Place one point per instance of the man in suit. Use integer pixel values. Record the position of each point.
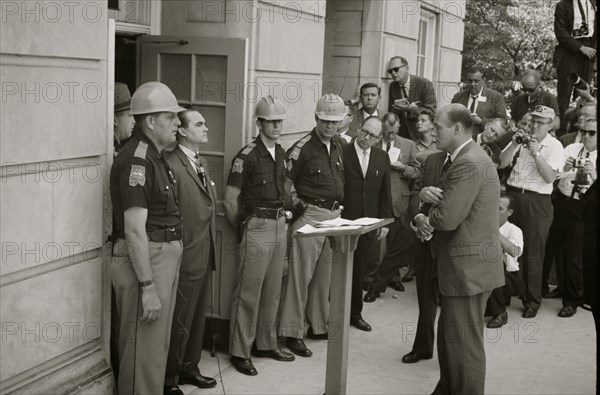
(367, 193)
(532, 95)
(369, 97)
(427, 282)
(409, 94)
(483, 103)
(196, 196)
(400, 239)
(464, 219)
(574, 28)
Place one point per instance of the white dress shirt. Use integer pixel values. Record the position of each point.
(514, 234)
(359, 153)
(578, 151)
(191, 155)
(471, 98)
(590, 12)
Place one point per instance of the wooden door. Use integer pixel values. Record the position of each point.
(209, 73)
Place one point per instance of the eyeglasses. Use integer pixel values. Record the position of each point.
(529, 90)
(538, 123)
(396, 69)
(591, 133)
(369, 135)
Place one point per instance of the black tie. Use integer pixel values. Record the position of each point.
(403, 94)
(201, 171)
(447, 164)
(472, 108)
(387, 148)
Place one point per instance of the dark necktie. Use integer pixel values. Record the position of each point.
(403, 94)
(447, 164)
(472, 108)
(201, 171)
(387, 148)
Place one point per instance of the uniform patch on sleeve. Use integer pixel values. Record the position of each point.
(137, 175)
(238, 166)
(295, 153)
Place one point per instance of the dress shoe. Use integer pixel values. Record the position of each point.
(172, 390)
(311, 335)
(371, 296)
(555, 293)
(298, 347)
(276, 354)
(413, 357)
(409, 276)
(498, 320)
(397, 285)
(199, 381)
(244, 365)
(567, 311)
(361, 324)
(529, 312)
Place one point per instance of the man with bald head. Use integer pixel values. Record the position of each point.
(461, 214)
(533, 95)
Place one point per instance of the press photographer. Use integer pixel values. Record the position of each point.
(534, 159)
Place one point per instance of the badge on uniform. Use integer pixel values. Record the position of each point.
(137, 175)
(238, 165)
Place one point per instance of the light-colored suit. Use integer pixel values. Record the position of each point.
(469, 258)
(402, 179)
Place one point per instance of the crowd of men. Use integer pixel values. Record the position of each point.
(484, 203)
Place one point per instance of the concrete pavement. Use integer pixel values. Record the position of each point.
(543, 355)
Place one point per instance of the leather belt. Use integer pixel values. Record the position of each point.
(166, 234)
(521, 190)
(269, 213)
(323, 203)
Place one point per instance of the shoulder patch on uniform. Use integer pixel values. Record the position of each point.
(238, 165)
(303, 140)
(248, 148)
(137, 175)
(140, 151)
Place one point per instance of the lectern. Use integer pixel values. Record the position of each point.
(343, 243)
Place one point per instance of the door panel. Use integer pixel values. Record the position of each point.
(208, 73)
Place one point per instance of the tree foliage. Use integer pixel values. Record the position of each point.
(506, 37)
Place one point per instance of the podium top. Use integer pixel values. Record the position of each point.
(345, 230)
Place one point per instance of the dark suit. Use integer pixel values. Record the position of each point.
(401, 238)
(427, 283)
(197, 205)
(567, 57)
(469, 257)
(494, 105)
(568, 138)
(420, 89)
(368, 196)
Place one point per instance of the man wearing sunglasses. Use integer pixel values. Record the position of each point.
(583, 114)
(533, 95)
(409, 94)
(534, 159)
(565, 240)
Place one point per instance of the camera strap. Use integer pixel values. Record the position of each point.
(583, 14)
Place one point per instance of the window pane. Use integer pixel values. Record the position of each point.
(211, 79)
(175, 72)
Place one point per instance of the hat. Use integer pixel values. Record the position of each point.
(122, 97)
(330, 107)
(543, 112)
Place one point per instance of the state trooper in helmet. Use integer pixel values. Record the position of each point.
(316, 171)
(253, 202)
(147, 241)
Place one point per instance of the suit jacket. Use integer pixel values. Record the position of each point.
(466, 226)
(368, 196)
(422, 90)
(568, 138)
(197, 205)
(493, 107)
(402, 180)
(563, 29)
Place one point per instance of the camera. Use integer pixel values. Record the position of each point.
(522, 138)
(582, 31)
(579, 163)
(577, 81)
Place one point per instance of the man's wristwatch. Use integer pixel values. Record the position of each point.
(146, 283)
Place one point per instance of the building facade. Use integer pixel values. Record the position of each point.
(58, 63)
